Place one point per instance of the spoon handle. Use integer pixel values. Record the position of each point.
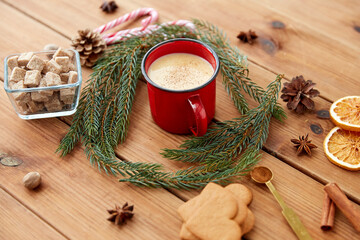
(276, 195)
(289, 214)
(296, 224)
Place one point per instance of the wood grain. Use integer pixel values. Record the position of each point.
(17, 222)
(150, 142)
(74, 193)
(279, 138)
(335, 19)
(18, 36)
(295, 50)
(289, 181)
(279, 144)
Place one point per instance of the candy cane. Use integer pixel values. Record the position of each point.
(111, 38)
(121, 35)
(153, 16)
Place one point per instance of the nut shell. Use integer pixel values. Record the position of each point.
(32, 180)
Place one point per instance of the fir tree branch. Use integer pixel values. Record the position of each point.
(227, 151)
(233, 68)
(112, 84)
(229, 138)
(219, 164)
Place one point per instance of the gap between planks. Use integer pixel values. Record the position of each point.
(33, 212)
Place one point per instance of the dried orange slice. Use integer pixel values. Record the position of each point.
(342, 148)
(345, 113)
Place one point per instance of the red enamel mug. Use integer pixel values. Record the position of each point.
(182, 111)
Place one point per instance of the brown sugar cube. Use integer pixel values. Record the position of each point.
(38, 97)
(73, 77)
(36, 63)
(47, 93)
(70, 54)
(24, 58)
(67, 95)
(35, 106)
(63, 62)
(64, 78)
(53, 104)
(52, 66)
(26, 98)
(22, 107)
(17, 74)
(12, 62)
(72, 67)
(68, 101)
(52, 79)
(11, 84)
(19, 95)
(61, 53)
(32, 78)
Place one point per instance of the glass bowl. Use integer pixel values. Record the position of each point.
(44, 101)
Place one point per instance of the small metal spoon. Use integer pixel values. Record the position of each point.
(262, 175)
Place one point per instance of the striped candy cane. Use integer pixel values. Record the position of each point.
(146, 28)
(121, 35)
(153, 16)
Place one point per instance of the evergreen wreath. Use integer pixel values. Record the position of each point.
(227, 151)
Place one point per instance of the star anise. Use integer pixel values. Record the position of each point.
(109, 7)
(303, 144)
(120, 215)
(247, 37)
(297, 94)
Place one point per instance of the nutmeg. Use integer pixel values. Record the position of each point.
(51, 47)
(32, 180)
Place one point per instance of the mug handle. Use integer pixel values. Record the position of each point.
(200, 115)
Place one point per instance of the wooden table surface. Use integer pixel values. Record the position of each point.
(319, 40)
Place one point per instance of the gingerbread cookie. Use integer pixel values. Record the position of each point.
(185, 234)
(218, 195)
(249, 222)
(241, 192)
(217, 213)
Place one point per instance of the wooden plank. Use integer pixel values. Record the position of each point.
(318, 166)
(304, 195)
(279, 137)
(260, 233)
(19, 36)
(73, 193)
(335, 19)
(145, 140)
(28, 225)
(300, 192)
(295, 50)
(296, 124)
(150, 142)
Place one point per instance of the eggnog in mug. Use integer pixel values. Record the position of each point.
(180, 71)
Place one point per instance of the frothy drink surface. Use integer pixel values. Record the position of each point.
(180, 71)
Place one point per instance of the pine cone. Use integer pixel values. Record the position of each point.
(90, 45)
(297, 94)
